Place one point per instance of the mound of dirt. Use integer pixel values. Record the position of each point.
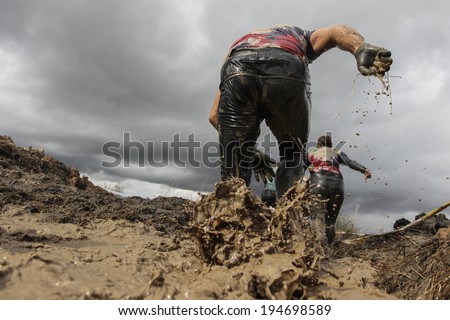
(35, 183)
(61, 237)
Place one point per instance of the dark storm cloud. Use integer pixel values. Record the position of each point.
(77, 74)
(104, 68)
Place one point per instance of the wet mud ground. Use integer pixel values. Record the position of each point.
(61, 237)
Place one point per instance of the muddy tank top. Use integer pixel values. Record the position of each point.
(289, 38)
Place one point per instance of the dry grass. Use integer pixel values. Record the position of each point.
(424, 275)
(346, 224)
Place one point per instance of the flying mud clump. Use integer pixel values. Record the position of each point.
(232, 225)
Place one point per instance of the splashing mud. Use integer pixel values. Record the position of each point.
(385, 90)
(232, 224)
(233, 227)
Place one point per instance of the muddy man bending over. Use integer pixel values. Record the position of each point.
(265, 76)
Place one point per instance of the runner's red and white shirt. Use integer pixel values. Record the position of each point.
(326, 159)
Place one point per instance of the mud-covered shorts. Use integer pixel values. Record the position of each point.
(269, 84)
(330, 185)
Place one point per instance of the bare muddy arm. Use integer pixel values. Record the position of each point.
(213, 113)
(371, 60)
(341, 36)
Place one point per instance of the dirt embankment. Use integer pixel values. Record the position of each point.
(61, 237)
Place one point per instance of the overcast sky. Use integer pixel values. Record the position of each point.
(77, 74)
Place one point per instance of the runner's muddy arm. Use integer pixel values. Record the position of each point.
(213, 114)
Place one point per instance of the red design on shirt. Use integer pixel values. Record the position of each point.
(288, 38)
(324, 159)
